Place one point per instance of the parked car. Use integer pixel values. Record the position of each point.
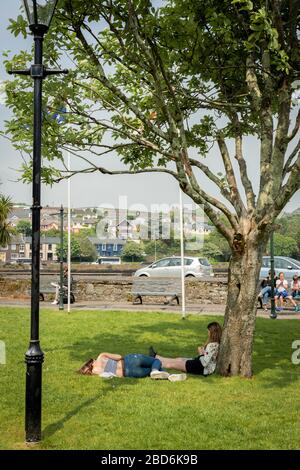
(193, 267)
(288, 266)
(109, 260)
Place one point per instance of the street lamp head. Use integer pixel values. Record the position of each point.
(39, 13)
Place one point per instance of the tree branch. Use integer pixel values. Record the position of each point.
(230, 176)
(281, 141)
(187, 179)
(289, 163)
(250, 196)
(116, 91)
(294, 132)
(105, 171)
(218, 181)
(290, 188)
(137, 137)
(252, 84)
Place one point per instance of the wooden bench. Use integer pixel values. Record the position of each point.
(46, 290)
(285, 301)
(159, 287)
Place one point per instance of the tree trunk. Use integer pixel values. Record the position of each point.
(235, 357)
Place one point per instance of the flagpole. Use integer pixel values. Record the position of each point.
(182, 255)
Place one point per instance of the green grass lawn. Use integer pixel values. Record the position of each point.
(82, 412)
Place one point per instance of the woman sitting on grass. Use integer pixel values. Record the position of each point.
(206, 361)
(109, 365)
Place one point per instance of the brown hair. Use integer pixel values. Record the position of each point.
(87, 368)
(214, 333)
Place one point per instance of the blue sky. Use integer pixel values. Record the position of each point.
(92, 190)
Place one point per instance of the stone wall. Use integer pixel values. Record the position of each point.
(209, 292)
(14, 288)
(118, 290)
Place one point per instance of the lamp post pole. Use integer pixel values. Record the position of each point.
(61, 286)
(34, 356)
(273, 311)
(61, 258)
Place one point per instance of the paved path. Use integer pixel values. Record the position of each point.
(193, 309)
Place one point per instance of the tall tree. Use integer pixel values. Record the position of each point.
(24, 227)
(82, 248)
(133, 252)
(5, 228)
(284, 245)
(75, 249)
(159, 86)
(88, 251)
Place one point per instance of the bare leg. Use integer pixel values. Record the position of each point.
(292, 300)
(177, 363)
(56, 292)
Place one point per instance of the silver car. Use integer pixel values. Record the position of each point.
(171, 267)
(284, 264)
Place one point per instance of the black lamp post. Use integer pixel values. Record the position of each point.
(61, 290)
(39, 14)
(61, 258)
(273, 310)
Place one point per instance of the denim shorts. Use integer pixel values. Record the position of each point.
(140, 365)
(282, 294)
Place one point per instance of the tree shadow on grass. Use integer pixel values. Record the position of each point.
(129, 340)
(109, 387)
(272, 350)
(272, 355)
(281, 377)
(181, 339)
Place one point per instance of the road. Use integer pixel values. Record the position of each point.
(78, 275)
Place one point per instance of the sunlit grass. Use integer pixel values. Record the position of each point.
(201, 413)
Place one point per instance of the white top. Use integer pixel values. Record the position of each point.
(209, 359)
(295, 285)
(281, 285)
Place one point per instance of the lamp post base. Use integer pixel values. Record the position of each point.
(34, 359)
(273, 316)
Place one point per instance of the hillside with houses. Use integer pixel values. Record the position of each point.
(108, 230)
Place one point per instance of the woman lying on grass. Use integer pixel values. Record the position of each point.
(109, 365)
(203, 364)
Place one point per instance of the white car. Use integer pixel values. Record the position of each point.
(171, 267)
(288, 266)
